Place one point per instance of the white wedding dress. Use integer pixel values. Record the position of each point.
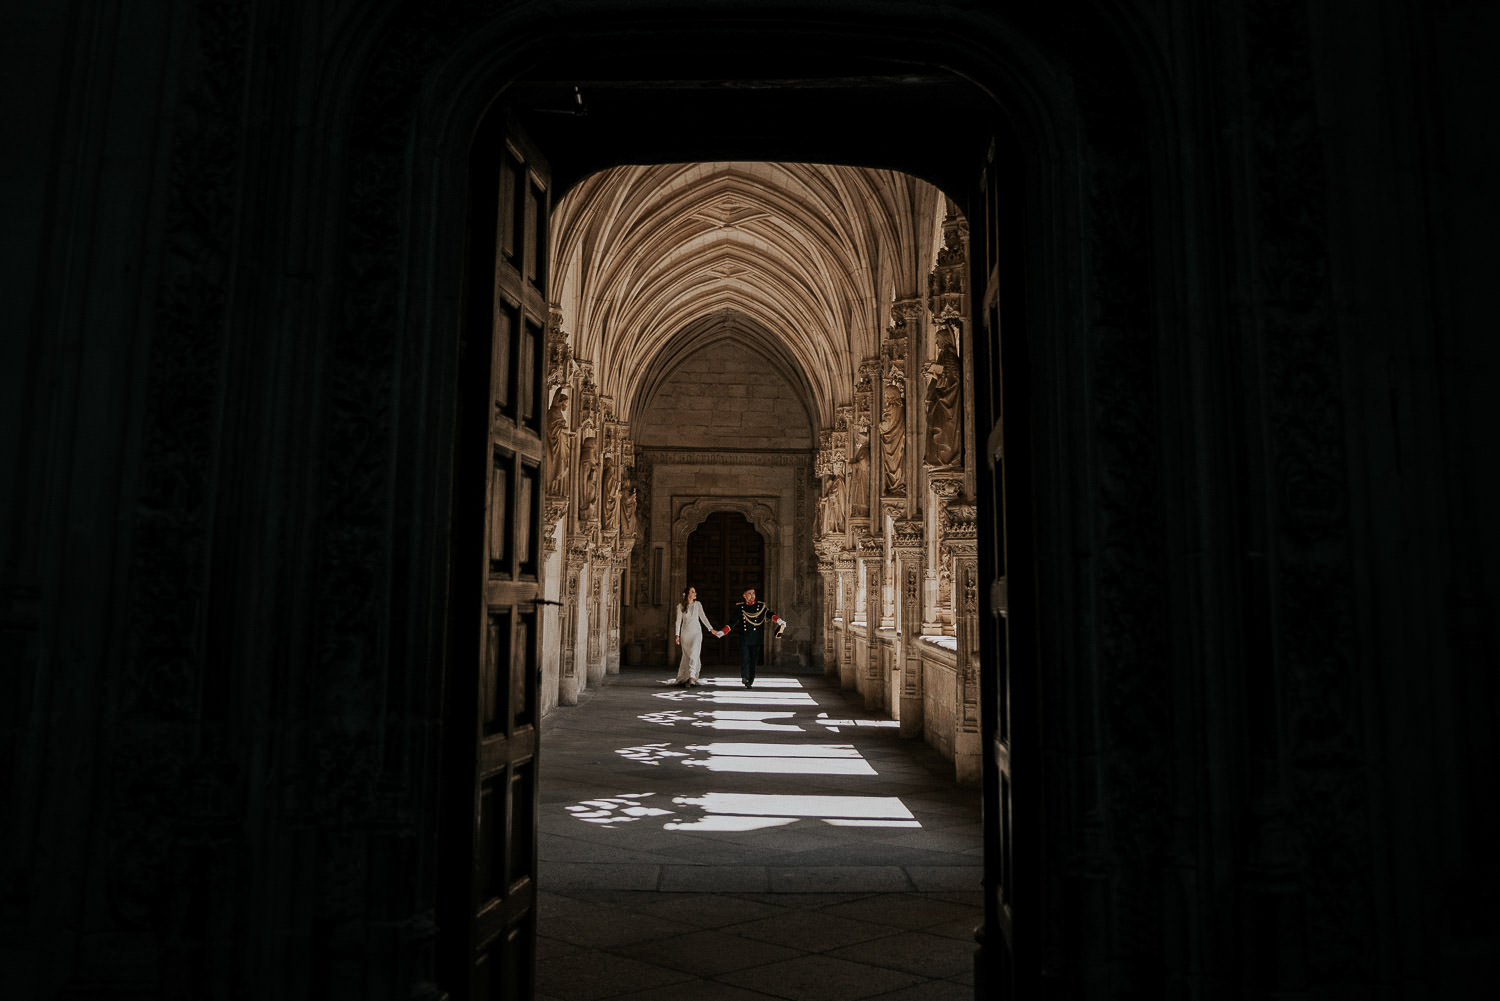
(690, 626)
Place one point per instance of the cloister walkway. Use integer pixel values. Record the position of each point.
(725, 844)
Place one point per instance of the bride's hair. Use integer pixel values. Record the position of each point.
(682, 605)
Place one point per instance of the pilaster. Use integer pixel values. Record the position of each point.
(906, 547)
(567, 685)
(845, 567)
(870, 552)
(962, 540)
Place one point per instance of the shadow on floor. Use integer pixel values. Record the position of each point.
(724, 844)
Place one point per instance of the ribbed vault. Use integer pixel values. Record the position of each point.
(800, 260)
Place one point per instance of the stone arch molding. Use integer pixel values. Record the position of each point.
(759, 513)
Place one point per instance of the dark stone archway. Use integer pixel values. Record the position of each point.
(1246, 343)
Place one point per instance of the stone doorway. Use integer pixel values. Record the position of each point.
(725, 555)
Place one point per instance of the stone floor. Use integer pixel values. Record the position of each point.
(724, 844)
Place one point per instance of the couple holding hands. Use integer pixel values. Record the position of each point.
(690, 617)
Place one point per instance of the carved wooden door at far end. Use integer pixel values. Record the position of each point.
(725, 555)
(487, 905)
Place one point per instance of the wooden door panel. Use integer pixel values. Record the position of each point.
(725, 555)
(487, 904)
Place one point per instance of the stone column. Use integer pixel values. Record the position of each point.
(962, 541)
(616, 574)
(845, 564)
(906, 544)
(567, 686)
(828, 571)
(870, 552)
(599, 569)
(938, 608)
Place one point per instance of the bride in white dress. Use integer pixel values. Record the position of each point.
(691, 621)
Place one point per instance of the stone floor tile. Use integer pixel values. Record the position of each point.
(932, 990)
(703, 910)
(695, 990)
(953, 877)
(930, 956)
(810, 931)
(606, 928)
(909, 910)
(802, 901)
(707, 953)
(820, 978)
(714, 879)
(602, 976)
(838, 879)
(625, 876)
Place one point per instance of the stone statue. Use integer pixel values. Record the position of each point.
(588, 470)
(944, 404)
(831, 506)
(557, 444)
(859, 471)
(893, 435)
(611, 494)
(627, 510)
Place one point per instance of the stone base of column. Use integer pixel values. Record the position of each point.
(567, 691)
(967, 758)
(913, 726)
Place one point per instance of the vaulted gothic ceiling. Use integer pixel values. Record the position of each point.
(800, 261)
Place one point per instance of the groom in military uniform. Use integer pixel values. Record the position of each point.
(752, 620)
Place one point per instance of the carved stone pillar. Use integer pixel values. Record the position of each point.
(827, 569)
(869, 550)
(906, 545)
(938, 607)
(962, 542)
(599, 569)
(615, 576)
(845, 564)
(567, 683)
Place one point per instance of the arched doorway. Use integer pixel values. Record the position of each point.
(991, 188)
(725, 555)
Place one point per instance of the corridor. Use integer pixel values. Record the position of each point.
(724, 844)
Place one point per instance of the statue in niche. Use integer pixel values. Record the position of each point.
(611, 493)
(588, 469)
(831, 514)
(893, 435)
(627, 509)
(859, 471)
(557, 444)
(944, 403)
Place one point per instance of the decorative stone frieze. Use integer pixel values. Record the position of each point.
(948, 283)
(907, 537)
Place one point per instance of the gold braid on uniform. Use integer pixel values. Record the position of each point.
(759, 619)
